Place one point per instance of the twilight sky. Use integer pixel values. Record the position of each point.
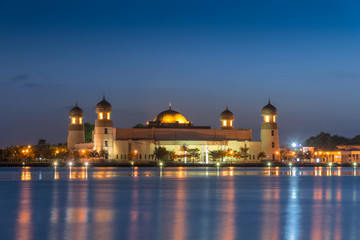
(200, 55)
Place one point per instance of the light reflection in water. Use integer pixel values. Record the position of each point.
(24, 221)
(293, 211)
(271, 211)
(322, 204)
(227, 221)
(179, 232)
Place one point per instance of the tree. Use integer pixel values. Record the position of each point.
(217, 154)
(94, 154)
(244, 151)
(104, 153)
(160, 153)
(286, 153)
(261, 155)
(325, 141)
(89, 128)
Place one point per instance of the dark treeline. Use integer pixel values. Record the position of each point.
(326, 141)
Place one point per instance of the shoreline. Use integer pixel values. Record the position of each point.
(165, 164)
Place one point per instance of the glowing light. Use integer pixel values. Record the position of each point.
(161, 164)
(73, 120)
(101, 116)
(293, 144)
(80, 120)
(224, 123)
(55, 164)
(277, 152)
(330, 164)
(267, 118)
(86, 164)
(108, 116)
(269, 164)
(218, 164)
(29, 146)
(70, 164)
(354, 164)
(290, 164)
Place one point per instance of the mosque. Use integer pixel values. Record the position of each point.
(171, 130)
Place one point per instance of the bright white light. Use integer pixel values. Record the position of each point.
(55, 164)
(70, 164)
(86, 164)
(293, 145)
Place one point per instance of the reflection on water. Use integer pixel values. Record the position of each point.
(181, 203)
(23, 229)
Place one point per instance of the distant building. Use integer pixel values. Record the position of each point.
(171, 129)
(350, 152)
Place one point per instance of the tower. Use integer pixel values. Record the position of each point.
(269, 133)
(103, 133)
(227, 119)
(76, 133)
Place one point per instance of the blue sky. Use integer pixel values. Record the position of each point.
(200, 55)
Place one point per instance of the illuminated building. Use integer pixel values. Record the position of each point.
(76, 132)
(172, 130)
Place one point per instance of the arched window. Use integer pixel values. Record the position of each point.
(272, 132)
(273, 144)
(106, 143)
(106, 132)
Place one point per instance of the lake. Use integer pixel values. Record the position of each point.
(179, 203)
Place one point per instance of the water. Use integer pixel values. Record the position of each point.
(179, 203)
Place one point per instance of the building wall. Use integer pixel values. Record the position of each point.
(104, 135)
(270, 140)
(183, 134)
(76, 135)
(145, 148)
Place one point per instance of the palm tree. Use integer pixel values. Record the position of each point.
(261, 155)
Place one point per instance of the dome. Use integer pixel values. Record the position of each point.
(269, 109)
(170, 116)
(104, 105)
(76, 111)
(227, 115)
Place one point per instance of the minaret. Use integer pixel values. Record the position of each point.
(227, 119)
(269, 133)
(103, 133)
(76, 133)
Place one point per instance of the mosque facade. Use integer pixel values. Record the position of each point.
(172, 130)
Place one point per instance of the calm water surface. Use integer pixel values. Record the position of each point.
(179, 203)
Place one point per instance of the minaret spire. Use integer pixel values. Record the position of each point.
(104, 96)
(227, 107)
(76, 105)
(170, 106)
(269, 101)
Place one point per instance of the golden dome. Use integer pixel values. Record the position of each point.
(170, 116)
